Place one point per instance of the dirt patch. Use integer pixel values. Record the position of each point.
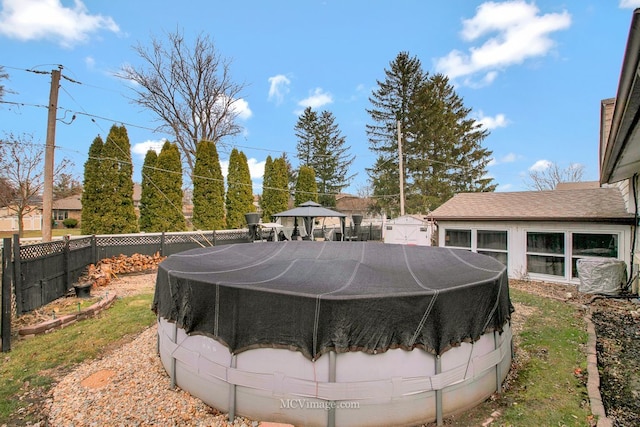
(98, 379)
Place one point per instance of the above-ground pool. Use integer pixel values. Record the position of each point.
(335, 333)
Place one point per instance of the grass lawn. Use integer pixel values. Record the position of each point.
(548, 388)
(38, 233)
(36, 360)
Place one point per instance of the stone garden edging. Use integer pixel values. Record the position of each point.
(67, 319)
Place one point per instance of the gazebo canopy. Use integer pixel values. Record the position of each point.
(310, 209)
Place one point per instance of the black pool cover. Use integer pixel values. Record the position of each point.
(314, 297)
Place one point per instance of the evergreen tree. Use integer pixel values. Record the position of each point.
(208, 189)
(441, 145)
(321, 146)
(391, 103)
(266, 199)
(306, 130)
(92, 207)
(168, 179)
(446, 156)
(150, 197)
(306, 187)
(239, 190)
(114, 213)
(280, 183)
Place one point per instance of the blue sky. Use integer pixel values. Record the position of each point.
(533, 72)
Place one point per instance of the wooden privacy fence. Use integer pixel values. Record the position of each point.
(37, 274)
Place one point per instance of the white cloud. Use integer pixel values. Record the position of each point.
(90, 62)
(488, 122)
(141, 148)
(317, 99)
(28, 20)
(509, 158)
(540, 166)
(516, 31)
(256, 168)
(278, 88)
(629, 4)
(241, 108)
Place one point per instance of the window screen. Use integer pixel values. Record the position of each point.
(457, 238)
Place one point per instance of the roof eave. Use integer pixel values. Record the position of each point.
(628, 220)
(618, 136)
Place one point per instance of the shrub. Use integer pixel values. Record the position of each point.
(70, 223)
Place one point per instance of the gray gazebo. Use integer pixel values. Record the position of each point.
(308, 211)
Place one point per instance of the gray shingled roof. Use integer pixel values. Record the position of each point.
(593, 204)
(68, 203)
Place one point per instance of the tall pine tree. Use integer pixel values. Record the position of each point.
(239, 190)
(208, 189)
(306, 187)
(280, 183)
(92, 207)
(168, 179)
(391, 103)
(446, 156)
(267, 190)
(150, 198)
(441, 145)
(116, 196)
(322, 147)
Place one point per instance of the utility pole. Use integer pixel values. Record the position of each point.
(400, 162)
(47, 194)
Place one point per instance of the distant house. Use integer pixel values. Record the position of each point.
(353, 205)
(68, 207)
(539, 234)
(32, 220)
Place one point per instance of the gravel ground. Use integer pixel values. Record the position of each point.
(129, 386)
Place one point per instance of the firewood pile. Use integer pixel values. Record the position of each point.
(105, 270)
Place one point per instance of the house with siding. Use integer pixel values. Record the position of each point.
(620, 135)
(542, 234)
(539, 234)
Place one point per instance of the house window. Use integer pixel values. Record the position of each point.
(493, 243)
(590, 245)
(59, 215)
(457, 238)
(545, 253)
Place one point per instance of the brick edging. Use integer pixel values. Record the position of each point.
(67, 319)
(593, 382)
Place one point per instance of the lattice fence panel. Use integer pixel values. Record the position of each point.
(128, 240)
(41, 250)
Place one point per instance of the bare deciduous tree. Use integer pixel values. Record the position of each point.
(189, 88)
(552, 175)
(22, 170)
